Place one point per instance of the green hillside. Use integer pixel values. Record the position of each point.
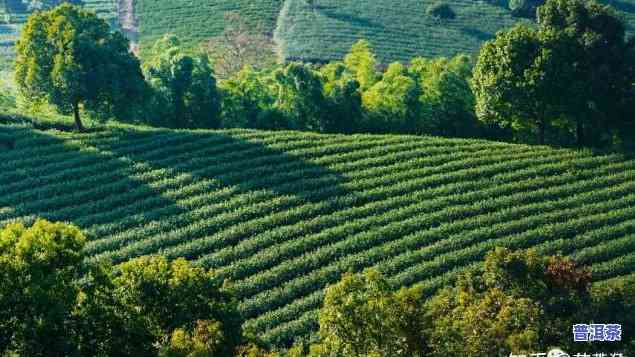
(196, 21)
(398, 30)
(311, 30)
(283, 214)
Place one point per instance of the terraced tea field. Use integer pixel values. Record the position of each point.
(398, 30)
(283, 214)
(197, 21)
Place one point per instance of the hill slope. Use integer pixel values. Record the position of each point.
(196, 21)
(283, 214)
(398, 30)
(316, 30)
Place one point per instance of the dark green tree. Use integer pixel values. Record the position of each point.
(573, 72)
(299, 96)
(600, 89)
(71, 58)
(185, 88)
(344, 99)
(515, 79)
(55, 305)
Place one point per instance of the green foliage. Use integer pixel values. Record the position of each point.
(344, 99)
(248, 101)
(514, 80)
(54, 305)
(577, 51)
(185, 93)
(470, 323)
(300, 97)
(38, 266)
(447, 100)
(440, 10)
(361, 62)
(362, 316)
(156, 288)
(522, 302)
(516, 302)
(68, 56)
(283, 214)
(206, 340)
(393, 102)
(600, 94)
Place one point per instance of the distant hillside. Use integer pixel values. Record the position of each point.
(13, 13)
(196, 21)
(315, 30)
(398, 30)
(284, 214)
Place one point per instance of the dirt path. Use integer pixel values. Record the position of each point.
(129, 23)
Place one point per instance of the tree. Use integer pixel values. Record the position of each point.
(248, 99)
(184, 85)
(176, 297)
(514, 80)
(362, 316)
(578, 51)
(361, 62)
(601, 89)
(392, 104)
(517, 302)
(71, 58)
(55, 305)
(299, 95)
(447, 100)
(344, 99)
(206, 339)
(38, 267)
(240, 45)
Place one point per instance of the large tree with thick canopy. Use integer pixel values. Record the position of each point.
(573, 71)
(69, 57)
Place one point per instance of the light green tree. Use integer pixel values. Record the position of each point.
(38, 269)
(361, 62)
(447, 100)
(173, 296)
(70, 58)
(393, 103)
(363, 316)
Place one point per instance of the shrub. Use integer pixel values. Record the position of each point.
(440, 10)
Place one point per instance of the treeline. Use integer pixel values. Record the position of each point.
(568, 80)
(56, 304)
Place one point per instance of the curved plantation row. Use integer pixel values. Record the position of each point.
(284, 214)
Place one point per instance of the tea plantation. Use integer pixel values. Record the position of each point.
(282, 214)
(314, 30)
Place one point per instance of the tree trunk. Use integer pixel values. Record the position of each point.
(579, 133)
(78, 121)
(541, 131)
